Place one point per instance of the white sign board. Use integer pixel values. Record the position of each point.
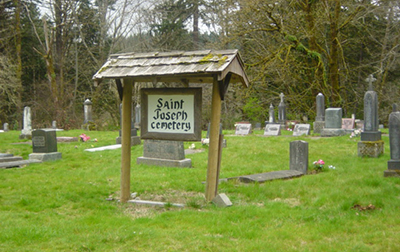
(171, 114)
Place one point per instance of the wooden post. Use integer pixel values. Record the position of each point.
(126, 140)
(213, 150)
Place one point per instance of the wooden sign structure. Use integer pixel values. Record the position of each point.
(219, 67)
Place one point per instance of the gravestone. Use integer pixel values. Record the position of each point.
(243, 128)
(395, 107)
(394, 140)
(301, 129)
(271, 114)
(88, 123)
(371, 143)
(348, 124)
(164, 153)
(54, 126)
(5, 127)
(319, 122)
(135, 139)
(272, 130)
(26, 132)
(299, 156)
(87, 110)
(359, 124)
(220, 133)
(333, 123)
(258, 126)
(137, 116)
(44, 145)
(282, 111)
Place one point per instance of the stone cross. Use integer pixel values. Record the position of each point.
(282, 96)
(271, 114)
(395, 108)
(370, 79)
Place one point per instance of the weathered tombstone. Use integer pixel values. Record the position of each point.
(395, 107)
(371, 143)
(26, 132)
(87, 110)
(348, 124)
(299, 156)
(272, 130)
(164, 153)
(135, 139)
(220, 133)
(54, 126)
(271, 114)
(319, 122)
(88, 123)
(257, 126)
(282, 111)
(359, 124)
(44, 145)
(301, 129)
(243, 128)
(5, 127)
(137, 116)
(333, 123)
(394, 140)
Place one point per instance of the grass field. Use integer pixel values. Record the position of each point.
(62, 206)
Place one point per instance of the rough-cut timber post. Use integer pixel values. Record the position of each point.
(213, 150)
(126, 140)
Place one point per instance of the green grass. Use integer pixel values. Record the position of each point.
(62, 206)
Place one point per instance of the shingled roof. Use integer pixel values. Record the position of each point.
(183, 66)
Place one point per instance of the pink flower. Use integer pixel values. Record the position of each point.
(84, 138)
(321, 162)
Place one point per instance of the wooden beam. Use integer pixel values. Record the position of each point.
(126, 140)
(213, 149)
(119, 88)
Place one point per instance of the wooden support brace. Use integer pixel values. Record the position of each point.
(213, 150)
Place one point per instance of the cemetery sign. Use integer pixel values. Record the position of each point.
(171, 114)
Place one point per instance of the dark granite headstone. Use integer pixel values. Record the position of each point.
(299, 156)
(44, 145)
(301, 129)
(44, 141)
(394, 139)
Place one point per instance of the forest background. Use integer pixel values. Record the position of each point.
(50, 49)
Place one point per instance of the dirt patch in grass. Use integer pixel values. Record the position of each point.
(194, 200)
